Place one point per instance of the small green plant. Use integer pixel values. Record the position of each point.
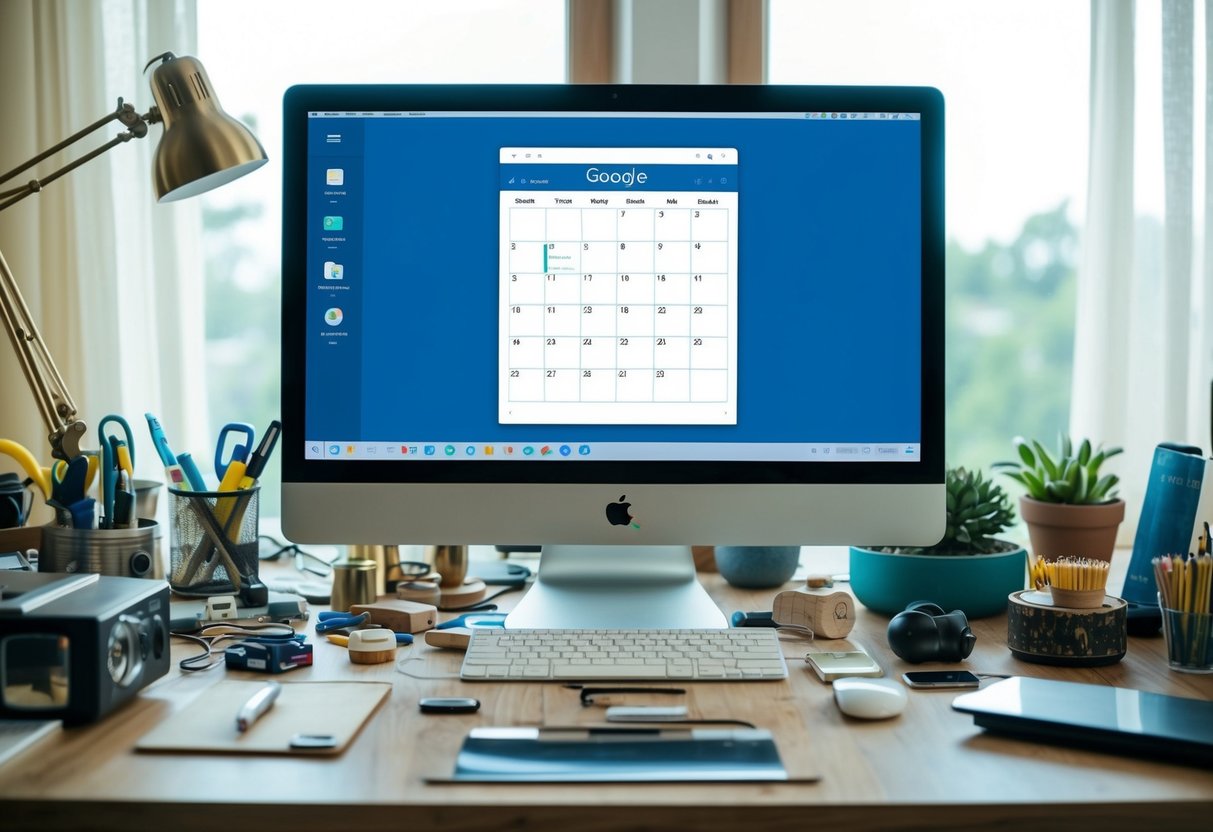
(977, 510)
(1065, 476)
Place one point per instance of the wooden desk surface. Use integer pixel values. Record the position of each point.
(929, 767)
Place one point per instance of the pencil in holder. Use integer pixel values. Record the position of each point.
(213, 544)
(1189, 638)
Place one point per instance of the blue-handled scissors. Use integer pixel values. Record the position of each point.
(240, 451)
(328, 621)
(109, 460)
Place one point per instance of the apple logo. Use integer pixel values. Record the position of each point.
(617, 513)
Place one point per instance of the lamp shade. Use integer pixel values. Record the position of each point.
(202, 146)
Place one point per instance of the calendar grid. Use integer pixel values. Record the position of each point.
(647, 334)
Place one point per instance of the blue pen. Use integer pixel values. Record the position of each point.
(186, 461)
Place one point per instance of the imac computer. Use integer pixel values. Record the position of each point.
(615, 321)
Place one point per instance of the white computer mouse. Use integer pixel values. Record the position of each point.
(869, 698)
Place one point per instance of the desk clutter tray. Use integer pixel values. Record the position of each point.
(302, 710)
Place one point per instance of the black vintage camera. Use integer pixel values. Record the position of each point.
(74, 647)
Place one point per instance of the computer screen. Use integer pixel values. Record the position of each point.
(613, 314)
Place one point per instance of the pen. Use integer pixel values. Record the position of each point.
(257, 705)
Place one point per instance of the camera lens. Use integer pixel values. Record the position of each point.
(125, 659)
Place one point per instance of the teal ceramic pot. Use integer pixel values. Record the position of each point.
(757, 567)
(977, 584)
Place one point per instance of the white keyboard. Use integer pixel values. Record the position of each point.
(591, 655)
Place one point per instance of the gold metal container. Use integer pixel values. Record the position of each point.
(353, 583)
(451, 562)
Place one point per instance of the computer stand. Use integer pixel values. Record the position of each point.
(633, 587)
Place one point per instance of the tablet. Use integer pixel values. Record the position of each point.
(1150, 726)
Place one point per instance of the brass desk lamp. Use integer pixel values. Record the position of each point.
(202, 148)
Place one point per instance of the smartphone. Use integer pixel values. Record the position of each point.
(831, 666)
(448, 705)
(940, 679)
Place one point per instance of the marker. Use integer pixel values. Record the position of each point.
(159, 440)
(257, 705)
(256, 462)
(172, 470)
(187, 464)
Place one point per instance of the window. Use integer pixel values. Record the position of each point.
(276, 45)
(1015, 80)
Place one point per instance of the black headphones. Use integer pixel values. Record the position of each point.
(923, 632)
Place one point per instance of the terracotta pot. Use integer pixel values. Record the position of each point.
(1058, 529)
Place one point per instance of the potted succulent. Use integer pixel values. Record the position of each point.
(970, 569)
(1070, 508)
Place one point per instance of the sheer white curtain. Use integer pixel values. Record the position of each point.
(1143, 357)
(113, 280)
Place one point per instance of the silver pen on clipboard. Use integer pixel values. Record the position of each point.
(257, 705)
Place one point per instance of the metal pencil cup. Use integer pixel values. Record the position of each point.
(1189, 638)
(126, 553)
(213, 541)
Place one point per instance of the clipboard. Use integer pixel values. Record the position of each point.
(334, 711)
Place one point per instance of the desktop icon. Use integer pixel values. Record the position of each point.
(333, 317)
(488, 450)
(334, 223)
(349, 449)
(565, 450)
(334, 176)
(509, 449)
(333, 271)
(470, 450)
(404, 449)
(584, 450)
(429, 450)
(334, 450)
(527, 450)
(545, 450)
(413, 450)
(449, 450)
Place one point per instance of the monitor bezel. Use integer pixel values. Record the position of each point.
(299, 101)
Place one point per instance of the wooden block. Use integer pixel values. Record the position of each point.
(399, 615)
(828, 613)
(454, 638)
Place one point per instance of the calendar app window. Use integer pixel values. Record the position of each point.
(618, 286)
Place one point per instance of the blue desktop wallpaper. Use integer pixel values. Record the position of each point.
(829, 293)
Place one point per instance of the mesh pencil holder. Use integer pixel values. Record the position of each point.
(213, 543)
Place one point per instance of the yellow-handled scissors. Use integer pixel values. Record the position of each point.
(29, 463)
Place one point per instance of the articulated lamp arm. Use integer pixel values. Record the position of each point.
(55, 403)
(205, 150)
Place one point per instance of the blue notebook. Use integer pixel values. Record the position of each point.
(1179, 501)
